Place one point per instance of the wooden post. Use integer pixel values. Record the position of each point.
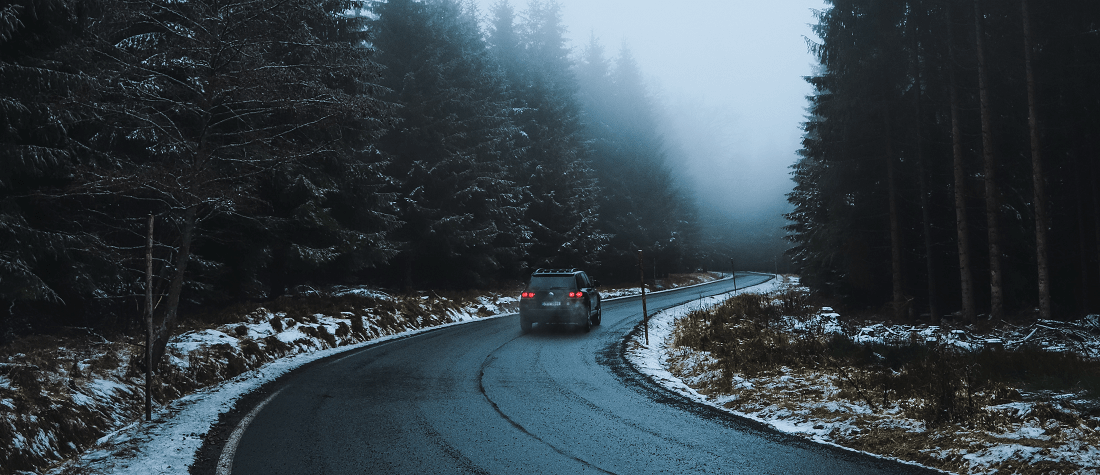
(733, 272)
(149, 322)
(645, 314)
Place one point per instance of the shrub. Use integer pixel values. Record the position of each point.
(322, 333)
(276, 346)
(236, 365)
(277, 324)
(357, 325)
(943, 384)
(252, 351)
(795, 302)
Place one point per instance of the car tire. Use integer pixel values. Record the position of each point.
(599, 316)
(524, 325)
(587, 325)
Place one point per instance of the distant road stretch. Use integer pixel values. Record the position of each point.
(484, 398)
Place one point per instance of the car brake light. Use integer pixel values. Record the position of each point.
(528, 295)
(576, 295)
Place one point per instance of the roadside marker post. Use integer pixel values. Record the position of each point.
(149, 321)
(733, 272)
(645, 315)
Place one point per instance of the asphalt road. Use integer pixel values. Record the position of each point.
(484, 398)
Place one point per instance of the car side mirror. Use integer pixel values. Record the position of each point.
(595, 283)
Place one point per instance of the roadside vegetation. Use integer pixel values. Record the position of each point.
(1016, 398)
(63, 395)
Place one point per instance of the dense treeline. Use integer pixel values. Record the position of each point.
(950, 158)
(250, 149)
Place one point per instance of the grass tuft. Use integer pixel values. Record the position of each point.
(357, 325)
(323, 333)
(342, 330)
(276, 324)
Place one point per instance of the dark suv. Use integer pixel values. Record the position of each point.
(560, 296)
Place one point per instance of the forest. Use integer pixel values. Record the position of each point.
(177, 156)
(950, 159)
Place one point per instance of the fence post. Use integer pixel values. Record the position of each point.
(149, 322)
(733, 271)
(645, 315)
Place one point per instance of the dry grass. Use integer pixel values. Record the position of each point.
(916, 400)
(41, 418)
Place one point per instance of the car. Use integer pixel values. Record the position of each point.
(560, 296)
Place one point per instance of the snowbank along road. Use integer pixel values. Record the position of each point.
(484, 398)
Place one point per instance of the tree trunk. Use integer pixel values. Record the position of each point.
(926, 216)
(175, 288)
(1082, 240)
(1095, 212)
(149, 322)
(1038, 179)
(962, 226)
(895, 227)
(992, 201)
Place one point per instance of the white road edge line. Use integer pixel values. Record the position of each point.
(225, 462)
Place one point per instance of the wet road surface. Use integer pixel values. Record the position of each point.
(484, 398)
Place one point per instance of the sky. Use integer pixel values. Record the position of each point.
(728, 74)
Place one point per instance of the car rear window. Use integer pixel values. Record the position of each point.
(544, 282)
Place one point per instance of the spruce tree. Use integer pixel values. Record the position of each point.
(201, 103)
(453, 148)
(41, 267)
(553, 171)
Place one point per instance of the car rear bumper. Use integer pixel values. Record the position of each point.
(534, 313)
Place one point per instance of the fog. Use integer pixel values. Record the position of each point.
(728, 76)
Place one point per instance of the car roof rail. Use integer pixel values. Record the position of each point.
(555, 271)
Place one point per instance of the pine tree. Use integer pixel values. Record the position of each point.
(553, 170)
(40, 267)
(957, 112)
(201, 102)
(641, 206)
(453, 148)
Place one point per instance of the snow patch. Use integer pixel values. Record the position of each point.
(833, 421)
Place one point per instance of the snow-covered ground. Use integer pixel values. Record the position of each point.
(810, 403)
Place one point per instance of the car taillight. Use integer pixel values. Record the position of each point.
(576, 295)
(527, 295)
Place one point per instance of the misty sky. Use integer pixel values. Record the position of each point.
(729, 74)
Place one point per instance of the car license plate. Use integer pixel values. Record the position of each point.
(551, 304)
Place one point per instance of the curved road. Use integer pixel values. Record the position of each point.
(484, 398)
